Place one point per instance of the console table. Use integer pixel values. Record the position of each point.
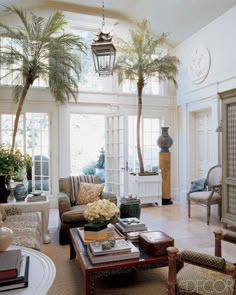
(42, 273)
(42, 207)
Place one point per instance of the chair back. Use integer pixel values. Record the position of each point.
(214, 176)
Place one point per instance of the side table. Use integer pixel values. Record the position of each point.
(42, 207)
(42, 273)
(130, 209)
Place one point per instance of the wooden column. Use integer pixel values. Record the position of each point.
(165, 166)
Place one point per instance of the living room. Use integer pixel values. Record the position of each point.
(193, 112)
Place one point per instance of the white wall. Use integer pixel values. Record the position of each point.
(218, 38)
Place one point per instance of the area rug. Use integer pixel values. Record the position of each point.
(69, 278)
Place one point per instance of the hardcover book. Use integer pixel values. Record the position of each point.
(21, 281)
(133, 253)
(10, 262)
(120, 246)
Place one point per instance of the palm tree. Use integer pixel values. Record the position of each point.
(138, 60)
(39, 48)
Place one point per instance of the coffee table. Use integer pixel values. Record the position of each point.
(92, 272)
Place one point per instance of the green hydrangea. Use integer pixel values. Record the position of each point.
(12, 163)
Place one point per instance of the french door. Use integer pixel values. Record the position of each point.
(117, 154)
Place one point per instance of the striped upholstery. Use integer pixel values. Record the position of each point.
(70, 185)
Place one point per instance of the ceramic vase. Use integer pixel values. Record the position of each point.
(4, 191)
(6, 236)
(164, 141)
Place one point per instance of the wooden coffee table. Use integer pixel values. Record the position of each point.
(92, 272)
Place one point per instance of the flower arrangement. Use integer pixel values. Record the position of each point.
(11, 163)
(102, 211)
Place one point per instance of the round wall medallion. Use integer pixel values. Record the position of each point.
(200, 65)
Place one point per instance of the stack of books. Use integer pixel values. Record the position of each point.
(14, 270)
(36, 197)
(122, 250)
(130, 224)
(128, 200)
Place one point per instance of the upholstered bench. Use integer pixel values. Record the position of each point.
(26, 227)
(74, 194)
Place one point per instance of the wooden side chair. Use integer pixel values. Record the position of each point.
(203, 274)
(211, 196)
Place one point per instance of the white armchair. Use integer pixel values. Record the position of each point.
(212, 195)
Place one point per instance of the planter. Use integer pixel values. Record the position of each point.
(4, 191)
(146, 188)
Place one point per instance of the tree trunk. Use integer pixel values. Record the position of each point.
(140, 86)
(18, 112)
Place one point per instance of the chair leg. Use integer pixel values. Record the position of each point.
(219, 211)
(208, 214)
(189, 209)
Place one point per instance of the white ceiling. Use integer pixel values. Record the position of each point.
(181, 18)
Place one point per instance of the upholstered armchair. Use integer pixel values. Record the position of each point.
(203, 274)
(74, 194)
(210, 196)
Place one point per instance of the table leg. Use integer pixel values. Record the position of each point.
(89, 284)
(45, 218)
(72, 251)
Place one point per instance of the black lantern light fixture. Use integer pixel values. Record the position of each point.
(103, 50)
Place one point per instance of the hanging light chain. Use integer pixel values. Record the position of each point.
(103, 16)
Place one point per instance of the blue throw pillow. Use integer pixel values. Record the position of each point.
(198, 185)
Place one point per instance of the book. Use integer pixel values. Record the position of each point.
(9, 263)
(112, 233)
(129, 200)
(127, 229)
(21, 281)
(130, 222)
(133, 253)
(120, 246)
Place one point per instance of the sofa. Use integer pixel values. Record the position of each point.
(71, 211)
(26, 227)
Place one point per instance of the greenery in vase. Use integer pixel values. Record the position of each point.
(11, 163)
(102, 211)
(139, 59)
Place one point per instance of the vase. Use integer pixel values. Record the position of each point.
(164, 141)
(4, 191)
(6, 236)
(20, 192)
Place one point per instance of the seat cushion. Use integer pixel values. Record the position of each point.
(89, 193)
(26, 230)
(203, 196)
(76, 214)
(197, 280)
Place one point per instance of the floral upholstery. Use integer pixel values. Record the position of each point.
(89, 192)
(26, 229)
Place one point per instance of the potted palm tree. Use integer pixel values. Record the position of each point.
(138, 60)
(39, 48)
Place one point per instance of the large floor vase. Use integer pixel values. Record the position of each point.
(4, 191)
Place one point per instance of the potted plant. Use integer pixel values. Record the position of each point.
(11, 163)
(100, 166)
(40, 49)
(139, 60)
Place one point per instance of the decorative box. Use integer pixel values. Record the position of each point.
(155, 242)
(95, 231)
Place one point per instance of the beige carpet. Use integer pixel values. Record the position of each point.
(69, 279)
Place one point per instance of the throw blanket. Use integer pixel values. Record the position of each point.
(198, 185)
(74, 182)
